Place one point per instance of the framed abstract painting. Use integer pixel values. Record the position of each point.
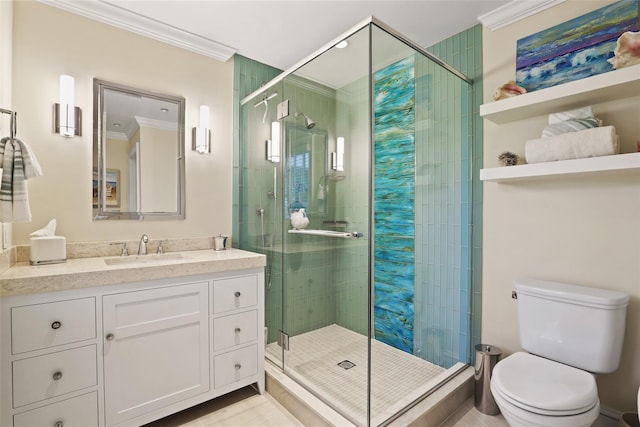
(575, 49)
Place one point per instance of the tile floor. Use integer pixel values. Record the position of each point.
(246, 408)
(313, 359)
(241, 408)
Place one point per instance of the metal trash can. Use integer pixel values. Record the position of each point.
(486, 358)
(629, 419)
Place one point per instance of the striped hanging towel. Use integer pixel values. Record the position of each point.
(18, 164)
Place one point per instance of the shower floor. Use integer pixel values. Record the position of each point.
(398, 378)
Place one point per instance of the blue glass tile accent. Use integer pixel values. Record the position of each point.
(394, 199)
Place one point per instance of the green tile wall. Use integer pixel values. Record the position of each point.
(464, 52)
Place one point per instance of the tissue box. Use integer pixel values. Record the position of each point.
(48, 250)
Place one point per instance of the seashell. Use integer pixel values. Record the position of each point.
(627, 51)
(299, 219)
(508, 90)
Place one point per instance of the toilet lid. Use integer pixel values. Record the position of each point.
(544, 386)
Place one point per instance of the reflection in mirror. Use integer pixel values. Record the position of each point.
(138, 153)
(306, 171)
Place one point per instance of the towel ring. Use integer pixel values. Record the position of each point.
(13, 126)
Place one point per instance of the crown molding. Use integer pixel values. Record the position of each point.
(116, 16)
(514, 11)
(156, 124)
(118, 136)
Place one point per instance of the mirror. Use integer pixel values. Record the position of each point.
(306, 171)
(138, 153)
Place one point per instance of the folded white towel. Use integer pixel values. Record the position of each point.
(18, 164)
(600, 141)
(578, 113)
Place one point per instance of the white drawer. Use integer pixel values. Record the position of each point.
(237, 329)
(235, 365)
(234, 293)
(81, 411)
(40, 326)
(43, 377)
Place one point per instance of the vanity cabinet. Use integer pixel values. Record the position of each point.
(156, 348)
(125, 355)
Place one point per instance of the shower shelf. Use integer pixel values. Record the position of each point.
(328, 233)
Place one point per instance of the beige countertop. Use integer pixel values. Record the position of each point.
(23, 278)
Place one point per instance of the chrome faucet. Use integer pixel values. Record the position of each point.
(142, 248)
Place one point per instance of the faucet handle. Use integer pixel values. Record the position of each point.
(160, 248)
(125, 252)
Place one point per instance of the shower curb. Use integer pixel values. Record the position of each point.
(311, 411)
(441, 404)
(303, 405)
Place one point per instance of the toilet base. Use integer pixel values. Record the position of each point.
(517, 417)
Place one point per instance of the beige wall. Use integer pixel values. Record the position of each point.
(158, 170)
(6, 13)
(583, 230)
(48, 42)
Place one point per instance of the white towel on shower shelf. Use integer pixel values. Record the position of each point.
(595, 142)
(18, 164)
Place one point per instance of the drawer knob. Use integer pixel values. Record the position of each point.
(110, 337)
(237, 294)
(57, 375)
(238, 366)
(56, 325)
(237, 330)
(58, 424)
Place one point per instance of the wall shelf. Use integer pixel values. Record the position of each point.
(620, 163)
(597, 89)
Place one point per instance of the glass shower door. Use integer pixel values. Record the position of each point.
(326, 168)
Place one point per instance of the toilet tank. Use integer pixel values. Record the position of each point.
(576, 325)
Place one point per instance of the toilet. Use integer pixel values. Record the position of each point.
(570, 333)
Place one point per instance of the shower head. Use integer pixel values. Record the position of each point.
(309, 124)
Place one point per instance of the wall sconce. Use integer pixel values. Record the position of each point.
(67, 118)
(273, 144)
(337, 157)
(202, 135)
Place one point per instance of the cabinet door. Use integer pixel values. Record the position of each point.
(156, 349)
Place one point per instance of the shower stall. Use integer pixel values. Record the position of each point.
(355, 181)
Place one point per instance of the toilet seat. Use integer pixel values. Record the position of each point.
(544, 387)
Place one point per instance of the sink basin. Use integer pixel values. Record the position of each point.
(144, 259)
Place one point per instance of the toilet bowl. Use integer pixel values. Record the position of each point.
(534, 391)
